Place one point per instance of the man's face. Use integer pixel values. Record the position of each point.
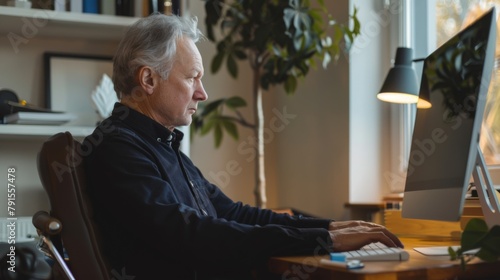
(176, 99)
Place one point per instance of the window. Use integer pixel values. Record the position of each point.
(453, 15)
(433, 22)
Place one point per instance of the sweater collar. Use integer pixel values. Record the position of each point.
(146, 126)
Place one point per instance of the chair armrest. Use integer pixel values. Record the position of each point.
(46, 224)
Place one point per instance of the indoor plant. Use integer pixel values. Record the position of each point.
(477, 236)
(281, 39)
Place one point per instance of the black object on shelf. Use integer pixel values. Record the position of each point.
(9, 104)
(124, 8)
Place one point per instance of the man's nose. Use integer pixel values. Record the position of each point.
(200, 93)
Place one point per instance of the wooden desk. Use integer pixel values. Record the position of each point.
(418, 267)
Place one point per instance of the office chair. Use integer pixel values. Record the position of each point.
(69, 228)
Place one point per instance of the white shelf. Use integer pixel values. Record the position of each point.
(17, 131)
(36, 22)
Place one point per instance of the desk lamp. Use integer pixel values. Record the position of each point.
(400, 85)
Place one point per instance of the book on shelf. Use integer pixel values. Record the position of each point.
(91, 7)
(41, 118)
(76, 6)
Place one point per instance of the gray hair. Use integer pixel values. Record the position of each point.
(150, 41)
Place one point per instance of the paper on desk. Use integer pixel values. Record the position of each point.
(439, 250)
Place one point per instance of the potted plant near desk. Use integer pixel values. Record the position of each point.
(281, 40)
(477, 236)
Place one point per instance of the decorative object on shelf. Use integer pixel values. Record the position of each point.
(281, 41)
(476, 235)
(104, 97)
(15, 111)
(167, 7)
(10, 103)
(70, 91)
(19, 4)
(38, 118)
(7, 96)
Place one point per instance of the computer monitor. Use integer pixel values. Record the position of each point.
(445, 144)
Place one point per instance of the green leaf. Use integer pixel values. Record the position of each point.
(213, 11)
(297, 42)
(240, 54)
(210, 107)
(235, 102)
(474, 231)
(288, 15)
(207, 126)
(453, 254)
(490, 245)
(281, 39)
(217, 62)
(232, 66)
(218, 135)
(290, 84)
(231, 128)
(356, 30)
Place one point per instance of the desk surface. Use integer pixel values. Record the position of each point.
(417, 267)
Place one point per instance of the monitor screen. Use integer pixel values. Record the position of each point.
(445, 139)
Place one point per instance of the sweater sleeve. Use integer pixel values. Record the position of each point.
(246, 214)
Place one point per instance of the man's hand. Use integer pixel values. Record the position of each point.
(352, 235)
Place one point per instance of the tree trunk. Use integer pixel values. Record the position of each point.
(260, 177)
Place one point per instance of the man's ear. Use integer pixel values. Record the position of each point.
(146, 79)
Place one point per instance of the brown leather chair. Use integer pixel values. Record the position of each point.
(61, 171)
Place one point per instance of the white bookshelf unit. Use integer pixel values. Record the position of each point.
(41, 132)
(63, 24)
(25, 35)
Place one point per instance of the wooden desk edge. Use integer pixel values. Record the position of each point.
(417, 267)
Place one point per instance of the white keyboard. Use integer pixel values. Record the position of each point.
(24, 229)
(377, 252)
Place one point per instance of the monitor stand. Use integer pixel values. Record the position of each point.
(489, 204)
(485, 188)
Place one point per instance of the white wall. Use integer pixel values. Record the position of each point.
(306, 160)
(329, 151)
(369, 127)
(226, 166)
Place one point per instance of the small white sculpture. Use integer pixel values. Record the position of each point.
(104, 97)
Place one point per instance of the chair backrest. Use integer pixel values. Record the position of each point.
(60, 168)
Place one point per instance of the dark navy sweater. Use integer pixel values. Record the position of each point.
(161, 219)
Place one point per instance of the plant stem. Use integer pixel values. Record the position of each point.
(260, 177)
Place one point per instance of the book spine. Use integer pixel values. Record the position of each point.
(156, 6)
(60, 5)
(76, 6)
(138, 8)
(108, 7)
(90, 6)
(177, 7)
(124, 8)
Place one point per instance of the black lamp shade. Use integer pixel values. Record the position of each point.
(400, 85)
